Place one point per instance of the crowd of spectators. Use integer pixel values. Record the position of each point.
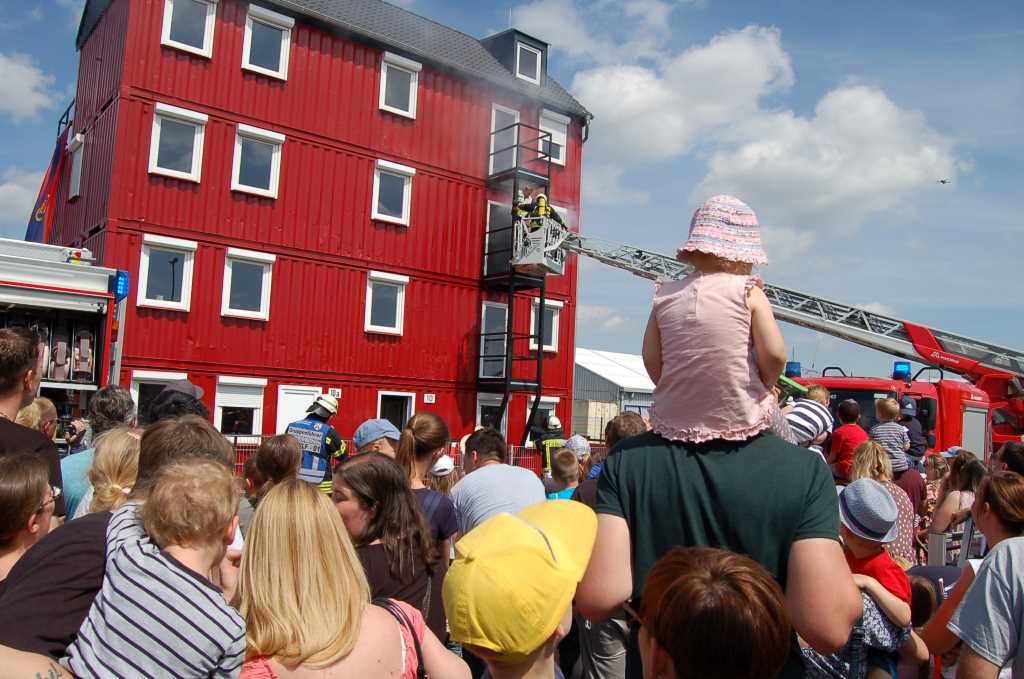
(732, 536)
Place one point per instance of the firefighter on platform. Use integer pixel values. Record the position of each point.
(548, 440)
(319, 440)
(521, 205)
(542, 209)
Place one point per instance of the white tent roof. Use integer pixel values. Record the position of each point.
(625, 370)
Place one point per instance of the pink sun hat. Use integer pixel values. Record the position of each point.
(725, 227)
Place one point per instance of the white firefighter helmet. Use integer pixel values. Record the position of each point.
(325, 402)
(554, 422)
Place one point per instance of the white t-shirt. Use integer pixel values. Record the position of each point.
(494, 489)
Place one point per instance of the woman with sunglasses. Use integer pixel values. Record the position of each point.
(26, 507)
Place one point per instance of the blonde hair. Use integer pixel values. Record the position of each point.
(191, 504)
(818, 393)
(37, 413)
(303, 590)
(445, 484)
(114, 468)
(870, 461)
(887, 409)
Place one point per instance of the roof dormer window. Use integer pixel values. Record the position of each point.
(528, 63)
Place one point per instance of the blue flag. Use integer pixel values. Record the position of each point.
(40, 222)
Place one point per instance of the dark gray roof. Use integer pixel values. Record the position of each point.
(406, 32)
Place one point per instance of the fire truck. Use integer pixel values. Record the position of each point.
(981, 404)
(77, 309)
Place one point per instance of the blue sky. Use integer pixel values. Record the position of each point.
(833, 120)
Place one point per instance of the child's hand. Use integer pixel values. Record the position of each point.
(864, 582)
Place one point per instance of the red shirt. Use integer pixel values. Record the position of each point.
(845, 440)
(882, 568)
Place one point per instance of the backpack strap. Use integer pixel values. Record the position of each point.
(398, 614)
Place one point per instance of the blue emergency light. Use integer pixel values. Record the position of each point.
(792, 369)
(901, 370)
(120, 285)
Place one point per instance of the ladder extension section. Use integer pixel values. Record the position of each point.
(876, 331)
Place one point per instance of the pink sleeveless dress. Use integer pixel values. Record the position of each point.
(710, 387)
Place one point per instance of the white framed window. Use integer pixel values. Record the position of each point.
(504, 138)
(396, 407)
(247, 277)
(176, 145)
(558, 126)
(498, 237)
(189, 25)
(552, 314)
(385, 303)
(147, 385)
(493, 339)
(238, 408)
(399, 82)
(77, 150)
(165, 272)
(392, 192)
(545, 410)
(528, 63)
(268, 39)
(487, 407)
(257, 164)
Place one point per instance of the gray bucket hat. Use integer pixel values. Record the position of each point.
(867, 510)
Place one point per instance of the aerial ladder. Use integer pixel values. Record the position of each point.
(994, 369)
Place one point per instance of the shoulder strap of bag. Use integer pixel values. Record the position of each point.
(404, 621)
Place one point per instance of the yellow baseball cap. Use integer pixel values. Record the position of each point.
(515, 575)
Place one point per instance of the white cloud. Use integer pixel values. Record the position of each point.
(785, 245)
(645, 114)
(598, 317)
(18, 190)
(859, 155)
(25, 90)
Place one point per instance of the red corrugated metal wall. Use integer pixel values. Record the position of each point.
(319, 226)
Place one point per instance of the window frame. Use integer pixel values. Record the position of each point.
(275, 139)
(410, 395)
(556, 305)
(490, 399)
(515, 142)
(163, 112)
(151, 377)
(540, 59)
(250, 257)
(208, 32)
(225, 399)
(394, 169)
(553, 400)
(188, 249)
(77, 150)
(270, 18)
(483, 320)
(409, 66)
(387, 279)
(546, 121)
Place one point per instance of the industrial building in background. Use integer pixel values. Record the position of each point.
(605, 384)
(313, 197)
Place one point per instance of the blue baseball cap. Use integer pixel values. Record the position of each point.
(371, 430)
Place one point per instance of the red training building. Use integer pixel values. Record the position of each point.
(314, 195)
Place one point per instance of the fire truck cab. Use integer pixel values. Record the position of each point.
(952, 412)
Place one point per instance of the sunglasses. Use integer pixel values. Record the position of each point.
(55, 493)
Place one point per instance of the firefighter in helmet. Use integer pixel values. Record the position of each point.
(550, 439)
(541, 208)
(319, 440)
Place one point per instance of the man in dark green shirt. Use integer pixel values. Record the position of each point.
(762, 497)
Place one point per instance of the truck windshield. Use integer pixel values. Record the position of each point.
(865, 398)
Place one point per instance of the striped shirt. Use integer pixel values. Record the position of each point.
(808, 420)
(154, 617)
(894, 438)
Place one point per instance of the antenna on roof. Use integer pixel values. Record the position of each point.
(510, 17)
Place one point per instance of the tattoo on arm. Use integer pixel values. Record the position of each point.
(54, 672)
